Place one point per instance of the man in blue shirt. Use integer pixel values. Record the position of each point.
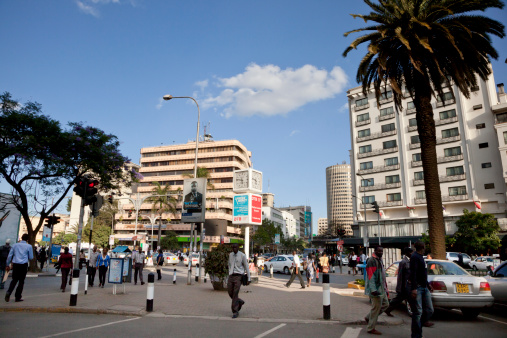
(19, 256)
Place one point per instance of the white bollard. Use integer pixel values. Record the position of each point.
(150, 292)
(74, 288)
(86, 279)
(205, 277)
(271, 271)
(326, 296)
(174, 277)
(197, 274)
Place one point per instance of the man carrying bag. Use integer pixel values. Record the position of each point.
(238, 274)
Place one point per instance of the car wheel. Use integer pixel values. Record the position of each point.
(474, 267)
(409, 309)
(470, 313)
(286, 270)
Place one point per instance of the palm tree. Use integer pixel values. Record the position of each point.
(162, 201)
(417, 44)
(202, 173)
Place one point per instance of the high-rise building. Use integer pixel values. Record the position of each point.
(322, 226)
(386, 156)
(303, 217)
(339, 199)
(268, 200)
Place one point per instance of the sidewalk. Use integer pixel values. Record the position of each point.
(269, 300)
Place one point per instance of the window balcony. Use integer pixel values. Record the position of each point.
(410, 111)
(377, 152)
(362, 123)
(406, 94)
(500, 118)
(378, 169)
(411, 128)
(416, 164)
(454, 198)
(417, 182)
(452, 178)
(442, 140)
(445, 159)
(390, 203)
(445, 103)
(419, 200)
(414, 145)
(386, 117)
(446, 121)
(363, 107)
(386, 100)
(382, 186)
(375, 136)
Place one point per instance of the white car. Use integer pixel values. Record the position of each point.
(482, 263)
(453, 256)
(170, 258)
(195, 260)
(281, 263)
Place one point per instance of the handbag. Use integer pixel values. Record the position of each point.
(244, 279)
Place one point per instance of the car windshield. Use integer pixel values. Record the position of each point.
(291, 258)
(445, 268)
(168, 254)
(466, 256)
(195, 255)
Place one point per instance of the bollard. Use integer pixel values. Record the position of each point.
(150, 292)
(174, 277)
(74, 288)
(86, 279)
(271, 271)
(326, 296)
(317, 274)
(197, 274)
(205, 277)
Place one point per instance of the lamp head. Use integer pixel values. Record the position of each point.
(167, 97)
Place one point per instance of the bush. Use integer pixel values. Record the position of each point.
(360, 282)
(216, 265)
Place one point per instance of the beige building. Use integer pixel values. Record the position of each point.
(322, 226)
(339, 198)
(62, 226)
(268, 200)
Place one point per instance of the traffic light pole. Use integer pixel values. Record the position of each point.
(75, 272)
(378, 227)
(50, 245)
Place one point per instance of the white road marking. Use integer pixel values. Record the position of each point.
(498, 321)
(351, 332)
(91, 327)
(269, 331)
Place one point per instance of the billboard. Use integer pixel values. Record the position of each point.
(9, 220)
(247, 209)
(194, 200)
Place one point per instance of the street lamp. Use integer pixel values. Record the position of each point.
(167, 98)
(364, 203)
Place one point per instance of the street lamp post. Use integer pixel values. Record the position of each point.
(364, 203)
(167, 98)
(137, 205)
(152, 219)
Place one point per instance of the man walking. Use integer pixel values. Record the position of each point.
(402, 289)
(92, 263)
(420, 297)
(238, 266)
(376, 288)
(138, 258)
(296, 272)
(4, 253)
(19, 255)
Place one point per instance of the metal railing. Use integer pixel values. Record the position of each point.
(446, 121)
(417, 182)
(386, 117)
(454, 198)
(380, 186)
(386, 100)
(411, 128)
(377, 152)
(376, 135)
(445, 103)
(379, 169)
(442, 140)
(452, 178)
(390, 203)
(364, 106)
(444, 159)
(416, 164)
(362, 123)
(414, 145)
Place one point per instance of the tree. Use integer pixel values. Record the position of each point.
(169, 241)
(449, 242)
(294, 244)
(420, 45)
(477, 232)
(162, 201)
(265, 233)
(64, 239)
(41, 161)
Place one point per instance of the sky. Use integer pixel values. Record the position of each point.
(268, 73)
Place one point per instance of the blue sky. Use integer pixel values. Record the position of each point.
(268, 73)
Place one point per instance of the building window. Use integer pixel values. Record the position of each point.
(447, 96)
(392, 179)
(386, 95)
(412, 122)
(505, 137)
(452, 151)
(390, 161)
(420, 194)
(366, 165)
(394, 197)
(450, 132)
(415, 139)
(419, 175)
(362, 102)
(368, 199)
(489, 186)
(363, 133)
(501, 118)
(365, 149)
(483, 145)
(388, 127)
(416, 157)
(389, 144)
(486, 165)
(447, 114)
(410, 105)
(386, 111)
(453, 171)
(368, 182)
(481, 126)
(455, 191)
(363, 117)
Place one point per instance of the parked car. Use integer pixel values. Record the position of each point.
(281, 263)
(453, 256)
(482, 263)
(195, 260)
(268, 255)
(453, 287)
(498, 283)
(170, 258)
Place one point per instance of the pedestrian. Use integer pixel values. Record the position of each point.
(160, 262)
(324, 263)
(353, 259)
(310, 269)
(460, 260)
(66, 265)
(42, 258)
(238, 266)
(92, 263)
(296, 271)
(420, 297)
(82, 259)
(332, 262)
(376, 289)
(19, 255)
(402, 284)
(138, 259)
(102, 265)
(4, 253)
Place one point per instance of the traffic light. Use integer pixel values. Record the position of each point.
(91, 191)
(51, 220)
(375, 207)
(110, 199)
(79, 189)
(130, 212)
(340, 232)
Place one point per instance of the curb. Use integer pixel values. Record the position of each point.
(39, 309)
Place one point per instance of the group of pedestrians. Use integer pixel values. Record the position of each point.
(412, 286)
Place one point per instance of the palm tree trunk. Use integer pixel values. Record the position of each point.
(427, 135)
(159, 231)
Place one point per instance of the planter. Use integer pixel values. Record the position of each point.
(353, 285)
(219, 286)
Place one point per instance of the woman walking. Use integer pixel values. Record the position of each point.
(160, 262)
(310, 269)
(102, 265)
(42, 257)
(65, 262)
(353, 262)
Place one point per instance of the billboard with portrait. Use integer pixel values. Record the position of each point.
(194, 200)
(10, 218)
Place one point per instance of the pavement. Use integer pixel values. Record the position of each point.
(267, 301)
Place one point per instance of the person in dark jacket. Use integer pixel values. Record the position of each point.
(65, 262)
(160, 262)
(42, 257)
(4, 253)
(376, 288)
(402, 292)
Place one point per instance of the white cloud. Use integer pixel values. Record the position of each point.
(87, 9)
(269, 90)
(294, 132)
(344, 108)
(90, 6)
(202, 84)
(160, 101)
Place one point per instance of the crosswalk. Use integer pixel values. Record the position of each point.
(351, 332)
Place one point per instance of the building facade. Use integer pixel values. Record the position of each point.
(387, 166)
(322, 226)
(303, 217)
(276, 216)
(339, 199)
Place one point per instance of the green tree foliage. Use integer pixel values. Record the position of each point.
(293, 243)
(449, 242)
(39, 158)
(69, 205)
(217, 264)
(477, 232)
(162, 201)
(417, 46)
(64, 239)
(169, 241)
(265, 233)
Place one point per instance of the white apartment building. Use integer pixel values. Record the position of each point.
(499, 108)
(291, 224)
(322, 226)
(386, 153)
(276, 216)
(339, 198)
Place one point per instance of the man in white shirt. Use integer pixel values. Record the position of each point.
(296, 272)
(238, 266)
(20, 255)
(94, 255)
(138, 259)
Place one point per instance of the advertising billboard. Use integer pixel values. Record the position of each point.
(247, 209)
(9, 220)
(194, 200)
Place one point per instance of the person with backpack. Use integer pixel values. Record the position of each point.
(160, 263)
